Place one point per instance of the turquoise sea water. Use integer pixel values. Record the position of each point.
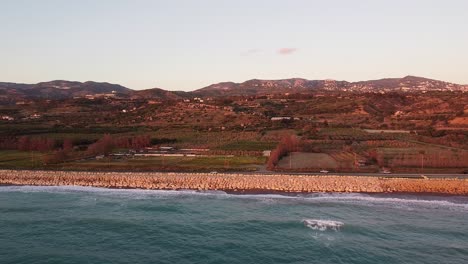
(94, 225)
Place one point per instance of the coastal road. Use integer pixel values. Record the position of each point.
(384, 175)
(406, 175)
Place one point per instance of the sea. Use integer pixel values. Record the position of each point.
(97, 225)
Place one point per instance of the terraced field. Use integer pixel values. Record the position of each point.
(302, 160)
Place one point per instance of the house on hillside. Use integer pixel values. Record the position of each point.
(166, 148)
(7, 118)
(198, 99)
(280, 118)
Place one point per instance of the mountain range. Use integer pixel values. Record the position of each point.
(61, 89)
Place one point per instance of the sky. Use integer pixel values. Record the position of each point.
(186, 45)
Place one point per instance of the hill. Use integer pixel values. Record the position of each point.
(158, 93)
(60, 89)
(297, 85)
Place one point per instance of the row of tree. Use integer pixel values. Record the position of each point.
(136, 142)
(107, 143)
(102, 146)
(46, 144)
(440, 159)
(288, 143)
(27, 143)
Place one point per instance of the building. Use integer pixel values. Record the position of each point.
(7, 118)
(280, 118)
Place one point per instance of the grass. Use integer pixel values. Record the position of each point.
(329, 131)
(61, 136)
(249, 145)
(433, 157)
(221, 162)
(188, 138)
(40, 128)
(20, 159)
(156, 163)
(301, 160)
(387, 131)
(390, 152)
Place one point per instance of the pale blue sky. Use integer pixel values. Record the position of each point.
(185, 45)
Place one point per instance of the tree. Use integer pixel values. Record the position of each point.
(288, 143)
(24, 143)
(67, 145)
(8, 143)
(102, 147)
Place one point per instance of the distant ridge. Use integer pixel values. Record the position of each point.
(298, 85)
(62, 89)
(160, 94)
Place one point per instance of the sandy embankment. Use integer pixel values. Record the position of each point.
(235, 182)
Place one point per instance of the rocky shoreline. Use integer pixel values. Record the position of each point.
(235, 182)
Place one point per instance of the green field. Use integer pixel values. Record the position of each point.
(20, 159)
(168, 163)
(249, 145)
(302, 160)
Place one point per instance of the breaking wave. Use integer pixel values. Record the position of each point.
(322, 225)
(124, 193)
(459, 203)
(401, 201)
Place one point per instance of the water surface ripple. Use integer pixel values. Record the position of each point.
(95, 225)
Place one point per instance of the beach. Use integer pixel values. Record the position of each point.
(250, 183)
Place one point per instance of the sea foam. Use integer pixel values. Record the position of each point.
(322, 225)
(409, 202)
(403, 202)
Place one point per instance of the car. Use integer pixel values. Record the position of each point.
(213, 172)
(324, 171)
(386, 172)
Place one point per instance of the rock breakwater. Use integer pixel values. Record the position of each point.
(235, 182)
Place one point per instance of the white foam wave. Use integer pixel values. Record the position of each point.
(413, 201)
(322, 225)
(409, 201)
(104, 191)
(397, 201)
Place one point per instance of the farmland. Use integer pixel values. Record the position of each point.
(301, 160)
(358, 132)
(20, 159)
(169, 163)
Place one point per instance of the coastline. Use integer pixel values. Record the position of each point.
(236, 183)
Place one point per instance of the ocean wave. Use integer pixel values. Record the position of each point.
(393, 200)
(457, 203)
(107, 191)
(322, 225)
